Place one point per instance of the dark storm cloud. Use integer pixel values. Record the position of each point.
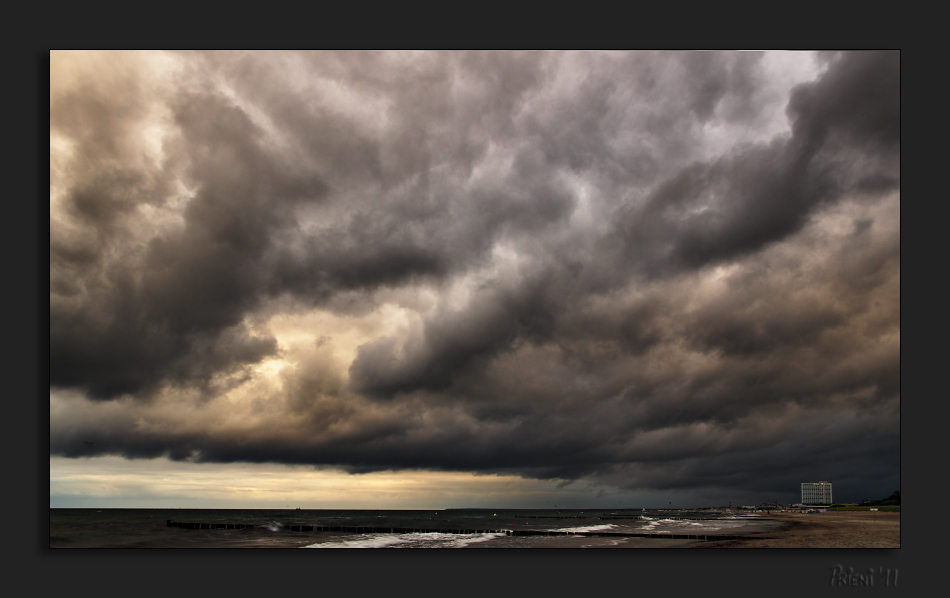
(643, 304)
(859, 97)
(449, 341)
(203, 279)
(709, 212)
(178, 313)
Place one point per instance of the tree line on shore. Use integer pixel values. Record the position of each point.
(894, 500)
(891, 503)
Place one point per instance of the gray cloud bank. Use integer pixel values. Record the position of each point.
(649, 270)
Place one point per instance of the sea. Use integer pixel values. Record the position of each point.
(448, 528)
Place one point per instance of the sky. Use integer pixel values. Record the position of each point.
(473, 279)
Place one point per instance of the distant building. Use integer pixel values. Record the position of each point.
(816, 493)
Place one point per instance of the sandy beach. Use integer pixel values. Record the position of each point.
(853, 529)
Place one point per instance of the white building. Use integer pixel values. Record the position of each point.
(816, 493)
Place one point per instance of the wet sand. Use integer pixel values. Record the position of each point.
(579, 542)
(854, 529)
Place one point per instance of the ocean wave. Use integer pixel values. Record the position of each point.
(589, 528)
(677, 525)
(412, 540)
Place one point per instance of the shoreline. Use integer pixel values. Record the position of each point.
(847, 529)
(777, 530)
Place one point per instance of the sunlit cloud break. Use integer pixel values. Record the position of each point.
(619, 274)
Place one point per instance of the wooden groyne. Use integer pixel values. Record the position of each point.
(359, 529)
(189, 525)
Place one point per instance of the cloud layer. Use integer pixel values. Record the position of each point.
(664, 270)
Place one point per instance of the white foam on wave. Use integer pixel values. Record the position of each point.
(589, 528)
(413, 540)
(375, 541)
(464, 540)
(709, 525)
(603, 543)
